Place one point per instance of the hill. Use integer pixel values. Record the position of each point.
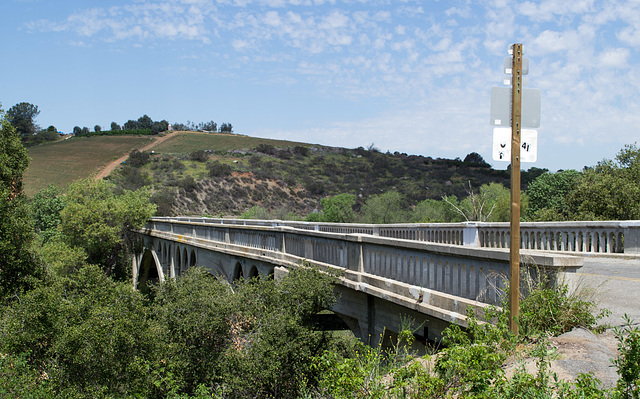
(228, 174)
(64, 161)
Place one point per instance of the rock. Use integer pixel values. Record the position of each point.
(578, 351)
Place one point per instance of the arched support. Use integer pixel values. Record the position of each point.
(149, 270)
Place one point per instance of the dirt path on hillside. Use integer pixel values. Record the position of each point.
(111, 166)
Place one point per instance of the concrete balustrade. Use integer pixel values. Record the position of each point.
(383, 276)
(473, 273)
(588, 237)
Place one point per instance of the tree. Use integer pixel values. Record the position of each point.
(22, 117)
(610, 191)
(338, 208)
(226, 128)
(48, 134)
(77, 130)
(89, 335)
(548, 196)
(384, 208)
(18, 268)
(97, 128)
(159, 127)
(46, 206)
(475, 207)
(98, 220)
(210, 126)
(475, 159)
(145, 122)
(86, 132)
(430, 211)
(131, 125)
(115, 126)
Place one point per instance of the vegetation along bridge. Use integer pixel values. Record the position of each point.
(429, 272)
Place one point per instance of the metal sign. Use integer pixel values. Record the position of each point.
(502, 145)
(500, 112)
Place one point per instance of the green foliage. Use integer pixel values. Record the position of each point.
(610, 191)
(475, 159)
(61, 258)
(18, 379)
(434, 211)
(554, 311)
(199, 156)
(384, 208)
(98, 220)
(628, 361)
(218, 169)
(49, 134)
(46, 206)
(338, 208)
(18, 268)
(88, 334)
(481, 206)
(123, 132)
(548, 195)
(138, 158)
(22, 117)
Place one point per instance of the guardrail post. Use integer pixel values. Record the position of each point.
(631, 237)
(470, 235)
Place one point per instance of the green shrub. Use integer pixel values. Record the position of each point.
(199, 156)
(218, 169)
(138, 158)
(628, 361)
(554, 310)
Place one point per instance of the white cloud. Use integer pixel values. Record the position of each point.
(548, 10)
(614, 58)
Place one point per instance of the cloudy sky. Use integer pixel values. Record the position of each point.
(407, 76)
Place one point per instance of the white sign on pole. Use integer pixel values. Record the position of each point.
(502, 144)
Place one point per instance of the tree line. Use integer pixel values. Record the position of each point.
(607, 191)
(23, 118)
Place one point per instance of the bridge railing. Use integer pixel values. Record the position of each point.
(470, 273)
(587, 237)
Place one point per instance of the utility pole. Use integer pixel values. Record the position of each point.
(514, 256)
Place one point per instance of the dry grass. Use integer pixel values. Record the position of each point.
(62, 162)
(187, 142)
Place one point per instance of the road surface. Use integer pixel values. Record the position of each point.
(616, 286)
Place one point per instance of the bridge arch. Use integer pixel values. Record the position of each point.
(238, 273)
(253, 272)
(149, 271)
(192, 259)
(185, 260)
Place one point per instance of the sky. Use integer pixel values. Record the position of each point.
(408, 76)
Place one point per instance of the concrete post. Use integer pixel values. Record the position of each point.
(470, 235)
(631, 237)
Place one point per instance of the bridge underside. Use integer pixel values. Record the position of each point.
(363, 309)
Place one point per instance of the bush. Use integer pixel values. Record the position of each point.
(138, 158)
(199, 156)
(218, 169)
(553, 310)
(628, 361)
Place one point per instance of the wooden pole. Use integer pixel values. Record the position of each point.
(514, 270)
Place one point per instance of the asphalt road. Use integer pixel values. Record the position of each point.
(614, 284)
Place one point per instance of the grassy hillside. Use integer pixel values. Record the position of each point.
(226, 174)
(188, 142)
(64, 161)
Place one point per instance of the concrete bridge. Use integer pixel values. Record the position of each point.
(429, 272)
